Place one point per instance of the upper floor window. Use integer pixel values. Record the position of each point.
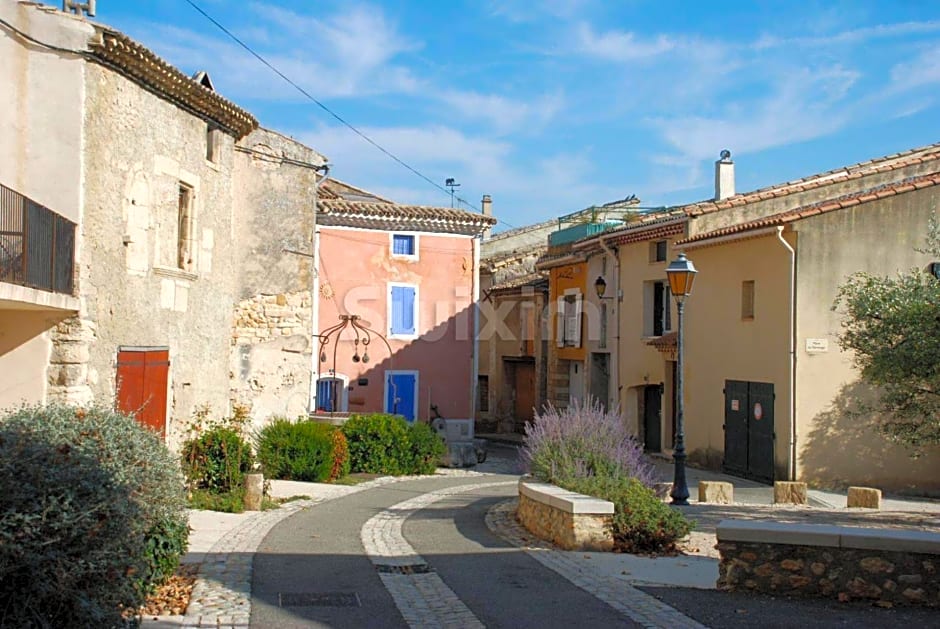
(213, 144)
(658, 251)
(657, 308)
(403, 311)
(405, 245)
(747, 300)
(184, 232)
(568, 330)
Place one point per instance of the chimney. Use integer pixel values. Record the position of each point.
(724, 176)
(487, 204)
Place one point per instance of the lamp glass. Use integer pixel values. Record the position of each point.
(600, 286)
(681, 273)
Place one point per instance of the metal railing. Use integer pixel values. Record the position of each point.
(37, 246)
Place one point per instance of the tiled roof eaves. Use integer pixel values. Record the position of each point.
(839, 175)
(393, 211)
(652, 232)
(140, 64)
(822, 207)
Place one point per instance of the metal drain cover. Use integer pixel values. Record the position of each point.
(416, 568)
(319, 599)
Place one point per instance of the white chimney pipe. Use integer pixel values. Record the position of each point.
(724, 176)
(487, 204)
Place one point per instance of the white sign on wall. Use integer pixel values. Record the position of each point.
(817, 346)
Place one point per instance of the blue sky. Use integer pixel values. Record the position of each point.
(556, 105)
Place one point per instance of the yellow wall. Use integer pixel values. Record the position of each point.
(563, 278)
(24, 355)
(720, 345)
(640, 364)
(836, 447)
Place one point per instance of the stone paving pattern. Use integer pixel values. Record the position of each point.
(629, 601)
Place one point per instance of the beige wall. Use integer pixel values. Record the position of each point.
(24, 353)
(720, 345)
(836, 447)
(41, 108)
(640, 364)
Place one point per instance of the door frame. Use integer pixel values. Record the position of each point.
(342, 405)
(388, 379)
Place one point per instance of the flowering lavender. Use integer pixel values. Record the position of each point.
(582, 441)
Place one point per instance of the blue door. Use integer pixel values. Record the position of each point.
(400, 390)
(328, 390)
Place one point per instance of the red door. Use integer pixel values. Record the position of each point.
(142, 375)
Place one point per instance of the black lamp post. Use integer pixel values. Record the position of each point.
(681, 273)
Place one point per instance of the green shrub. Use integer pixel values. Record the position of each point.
(340, 466)
(387, 444)
(92, 517)
(232, 501)
(642, 523)
(427, 447)
(300, 451)
(218, 459)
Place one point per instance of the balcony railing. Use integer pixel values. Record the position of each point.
(37, 246)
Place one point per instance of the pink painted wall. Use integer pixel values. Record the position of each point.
(355, 269)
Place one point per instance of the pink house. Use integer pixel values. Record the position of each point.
(410, 274)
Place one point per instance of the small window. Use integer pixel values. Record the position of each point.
(747, 300)
(404, 245)
(213, 144)
(483, 394)
(403, 305)
(658, 251)
(184, 233)
(657, 310)
(568, 329)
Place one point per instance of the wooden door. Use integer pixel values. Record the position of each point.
(525, 392)
(142, 378)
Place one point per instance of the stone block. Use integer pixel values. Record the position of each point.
(788, 492)
(718, 492)
(864, 498)
(254, 490)
(663, 490)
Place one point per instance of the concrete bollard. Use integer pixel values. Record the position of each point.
(254, 490)
(864, 498)
(718, 492)
(787, 492)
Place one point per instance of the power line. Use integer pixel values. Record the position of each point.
(319, 104)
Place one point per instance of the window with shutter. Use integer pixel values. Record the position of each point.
(404, 245)
(403, 314)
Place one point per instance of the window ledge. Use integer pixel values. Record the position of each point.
(217, 167)
(404, 256)
(402, 337)
(179, 274)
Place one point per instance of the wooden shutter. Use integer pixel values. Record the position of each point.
(560, 323)
(142, 378)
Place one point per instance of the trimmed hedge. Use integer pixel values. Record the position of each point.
(387, 444)
(301, 451)
(92, 516)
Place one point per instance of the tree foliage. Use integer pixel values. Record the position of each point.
(892, 325)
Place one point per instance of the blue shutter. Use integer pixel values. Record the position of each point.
(325, 395)
(403, 310)
(403, 245)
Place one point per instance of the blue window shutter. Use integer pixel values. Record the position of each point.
(403, 244)
(403, 310)
(324, 395)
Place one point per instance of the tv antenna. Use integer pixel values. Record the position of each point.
(451, 183)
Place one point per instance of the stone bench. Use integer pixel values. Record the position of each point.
(892, 565)
(570, 520)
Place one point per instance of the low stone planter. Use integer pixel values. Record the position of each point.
(570, 520)
(891, 565)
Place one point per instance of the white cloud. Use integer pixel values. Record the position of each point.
(922, 70)
(504, 114)
(619, 45)
(523, 11)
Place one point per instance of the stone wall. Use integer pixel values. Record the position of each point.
(884, 569)
(270, 371)
(565, 523)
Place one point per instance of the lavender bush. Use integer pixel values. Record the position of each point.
(582, 441)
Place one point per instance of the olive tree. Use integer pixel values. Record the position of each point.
(892, 325)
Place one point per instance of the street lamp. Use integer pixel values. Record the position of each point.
(681, 273)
